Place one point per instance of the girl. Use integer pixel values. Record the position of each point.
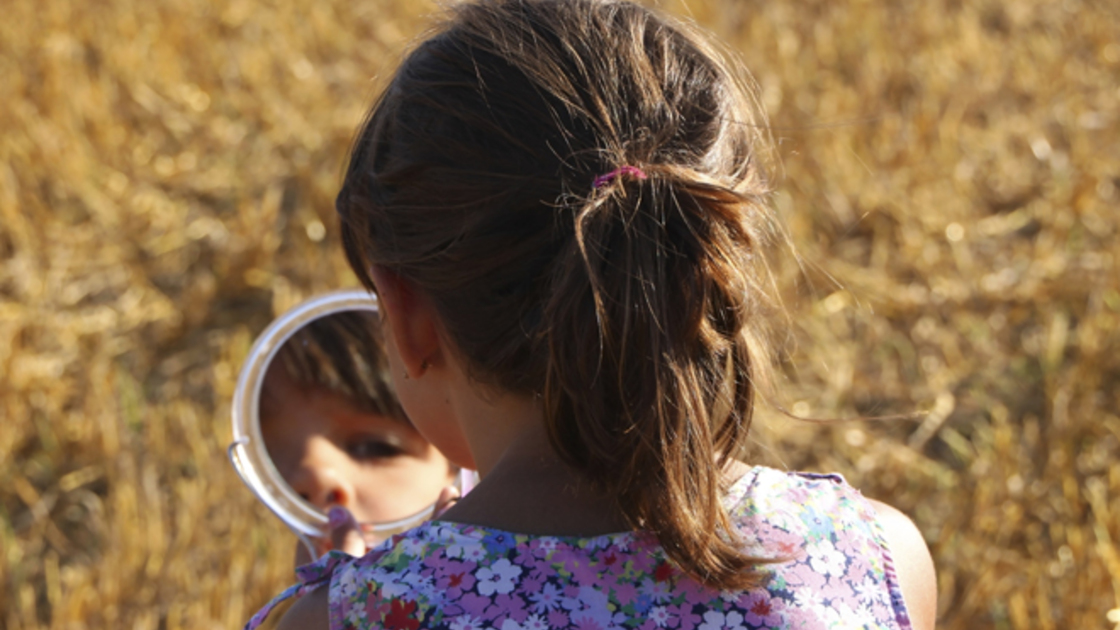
(562, 205)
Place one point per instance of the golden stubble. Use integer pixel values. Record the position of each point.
(949, 174)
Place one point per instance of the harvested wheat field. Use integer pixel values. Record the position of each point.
(950, 175)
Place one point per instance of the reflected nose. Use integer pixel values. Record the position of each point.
(320, 478)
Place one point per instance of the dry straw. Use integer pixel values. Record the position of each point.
(951, 175)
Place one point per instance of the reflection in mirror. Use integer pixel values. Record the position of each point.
(334, 430)
(316, 424)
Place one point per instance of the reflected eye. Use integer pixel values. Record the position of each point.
(370, 447)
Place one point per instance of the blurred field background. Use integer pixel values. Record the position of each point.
(950, 175)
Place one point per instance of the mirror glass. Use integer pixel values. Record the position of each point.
(316, 424)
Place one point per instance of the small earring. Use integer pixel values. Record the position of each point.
(405, 374)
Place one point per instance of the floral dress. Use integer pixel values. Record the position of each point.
(832, 569)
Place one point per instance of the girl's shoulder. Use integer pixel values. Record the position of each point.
(797, 501)
(832, 537)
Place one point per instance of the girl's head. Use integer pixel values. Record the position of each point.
(578, 187)
(334, 428)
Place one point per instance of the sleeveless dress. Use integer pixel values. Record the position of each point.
(831, 569)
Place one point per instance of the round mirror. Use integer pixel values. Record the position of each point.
(316, 424)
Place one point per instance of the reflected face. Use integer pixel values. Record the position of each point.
(332, 452)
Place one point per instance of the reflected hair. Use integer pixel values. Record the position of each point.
(342, 352)
(637, 307)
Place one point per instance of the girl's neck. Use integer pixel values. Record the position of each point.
(525, 487)
(529, 490)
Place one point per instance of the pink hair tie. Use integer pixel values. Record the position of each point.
(632, 171)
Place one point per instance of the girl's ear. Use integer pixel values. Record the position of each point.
(412, 327)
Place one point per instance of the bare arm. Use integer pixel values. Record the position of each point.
(307, 613)
(913, 565)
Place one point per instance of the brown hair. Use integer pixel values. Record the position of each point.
(343, 353)
(638, 309)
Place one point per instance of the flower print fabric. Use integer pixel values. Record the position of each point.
(831, 569)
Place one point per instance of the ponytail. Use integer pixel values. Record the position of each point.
(658, 278)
